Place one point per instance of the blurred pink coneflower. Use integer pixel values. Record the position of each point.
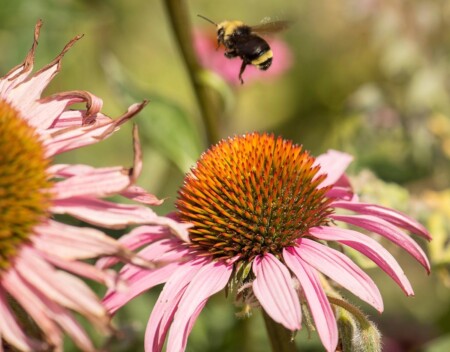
(41, 257)
(263, 212)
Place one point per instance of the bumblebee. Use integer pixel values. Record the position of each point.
(243, 41)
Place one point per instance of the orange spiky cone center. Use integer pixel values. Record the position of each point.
(252, 195)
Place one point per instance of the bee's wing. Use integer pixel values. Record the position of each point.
(271, 27)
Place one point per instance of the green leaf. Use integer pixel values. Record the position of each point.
(169, 130)
(164, 124)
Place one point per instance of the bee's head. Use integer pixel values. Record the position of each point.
(221, 27)
(226, 29)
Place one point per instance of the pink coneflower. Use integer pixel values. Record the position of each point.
(40, 257)
(263, 212)
(212, 58)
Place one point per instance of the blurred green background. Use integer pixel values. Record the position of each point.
(369, 77)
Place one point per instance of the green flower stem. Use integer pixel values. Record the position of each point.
(280, 337)
(206, 97)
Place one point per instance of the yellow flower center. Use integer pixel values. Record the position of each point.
(24, 183)
(251, 195)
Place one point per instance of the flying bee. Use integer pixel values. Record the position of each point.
(241, 40)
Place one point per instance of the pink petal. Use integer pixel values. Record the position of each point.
(25, 96)
(101, 182)
(106, 277)
(341, 269)
(104, 214)
(137, 151)
(70, 118)
(71, 327)
(45, 113)
(75, 118)
(73, 138)
(59, 287)
(317, 299)
(71, 242)
(210, 279)
(33, 305)
(137, 238)
(19, 73)
(389, 231)
(11, 332)
(143, 235)
(139, 283)
(68, 170)
(165, 251)
(334, 164)
(138, 194)
(370, 248)
(164, 309)
(45, 311)
(275, 291)
(341, 193)
(390, 215)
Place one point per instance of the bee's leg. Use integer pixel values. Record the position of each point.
(244, 64)
(230, 54)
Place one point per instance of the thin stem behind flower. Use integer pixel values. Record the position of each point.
(181, 25)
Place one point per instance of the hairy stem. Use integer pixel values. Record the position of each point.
(280, 337)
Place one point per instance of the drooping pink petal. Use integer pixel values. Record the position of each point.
(139, 194)
(334, 164)
(68, 170)
(140, 282)
(370, 248)
(44, 311)
(72, 243)
(107, 277)
(100, 182)
(135, 239)
(166, 305)
(25, 96)
(19, 73)
(137, 151)
(12, 332)
(318, 303)
(338, 267)
(161, 253)
(72, 138)
(275, 291)
(58, 286)
(133, 192)
(390, 215)
(65, 117)
(60, 114)
(210, 279)
(71, 327)
(389, 231)
(33, 305)
(103, 213)
(70, 118)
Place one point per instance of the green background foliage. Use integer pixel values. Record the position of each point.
(369, 77)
